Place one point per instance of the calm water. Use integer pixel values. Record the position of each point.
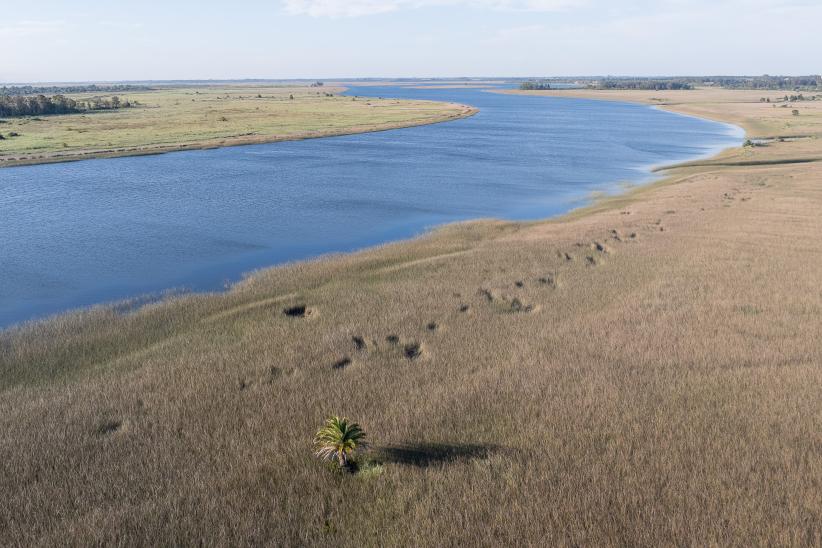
(85, 232)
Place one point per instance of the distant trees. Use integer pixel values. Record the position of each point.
(800, 97)
(533, 85)
(643, 84)
(765, 82)
(40, 105)
(36, 105)
(53, 90)
(795, 83)
(756, 82)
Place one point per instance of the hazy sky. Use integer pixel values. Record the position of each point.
(60, 40)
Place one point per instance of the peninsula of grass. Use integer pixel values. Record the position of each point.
(169, 119)
(644, 372)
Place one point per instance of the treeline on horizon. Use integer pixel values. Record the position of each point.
(60, 90)
(765, 82)
(40, 105)
(534, 85)
(643, 84)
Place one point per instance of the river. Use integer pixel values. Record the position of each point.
(80, 233)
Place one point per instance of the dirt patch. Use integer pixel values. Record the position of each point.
(298, 311)
(549, 280)
(359, 343)
(109, 427)
(412, 351)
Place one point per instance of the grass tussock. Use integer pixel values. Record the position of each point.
(664, 389)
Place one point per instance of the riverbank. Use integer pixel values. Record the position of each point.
(643, 371)
(201, 219)
(195, 118)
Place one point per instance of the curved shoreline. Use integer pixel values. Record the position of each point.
(595, 203)
(463, 111)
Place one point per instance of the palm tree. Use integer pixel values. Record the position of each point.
(338, 440)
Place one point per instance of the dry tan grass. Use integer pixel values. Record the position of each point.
(646, 372)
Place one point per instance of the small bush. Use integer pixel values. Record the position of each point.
(338, 442)
(369, 469)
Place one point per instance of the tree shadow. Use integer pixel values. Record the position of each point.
(429, 454)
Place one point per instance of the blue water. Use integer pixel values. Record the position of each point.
(79, 233)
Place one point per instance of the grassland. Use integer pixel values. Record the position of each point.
(169, 119)
(644, 372)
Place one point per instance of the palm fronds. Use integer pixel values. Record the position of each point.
(338, 440)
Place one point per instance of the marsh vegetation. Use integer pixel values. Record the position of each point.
(662, 388)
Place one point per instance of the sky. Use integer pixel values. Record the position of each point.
(90, 40)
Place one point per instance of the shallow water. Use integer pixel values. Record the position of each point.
(79, 233)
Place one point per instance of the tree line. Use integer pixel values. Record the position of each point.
(40, 105)
(533, 85)
(800, 97)
(642, 83)
(54, 90)
(764, 82)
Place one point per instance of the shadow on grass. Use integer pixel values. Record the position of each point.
(432, 454)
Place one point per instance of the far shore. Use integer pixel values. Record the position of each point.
(290, 121)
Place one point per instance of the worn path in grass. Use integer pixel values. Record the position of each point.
(644, 372)
(171, 119)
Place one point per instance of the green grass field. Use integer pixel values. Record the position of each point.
(171, 119)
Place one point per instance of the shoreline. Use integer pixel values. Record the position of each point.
(461, 111)
(593, 203)
(657, 346)
(256, 136)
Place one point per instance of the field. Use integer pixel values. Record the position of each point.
(645, 372)
(187, 118)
